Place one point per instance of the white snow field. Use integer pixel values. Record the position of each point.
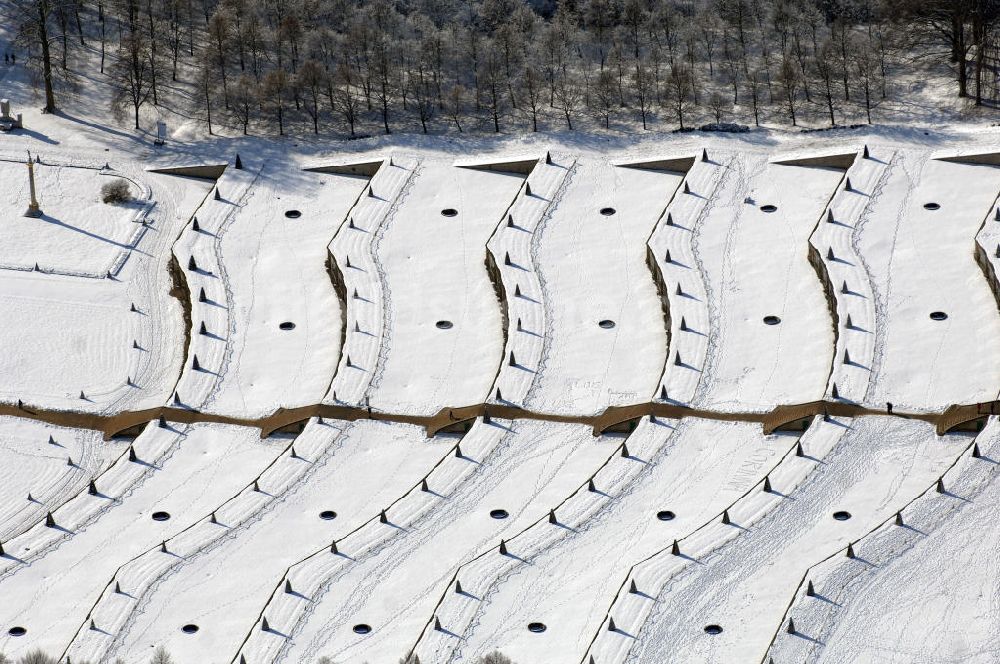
(432, 260)
(697, 473)
(274, 268)
(530, 470)
(48, 463)
(922, 261)
(605, 331)
(545, 288)
(920, 588)
(369, 465)
(875, 468)
(95, 262)
(755, 262)
(52, 592)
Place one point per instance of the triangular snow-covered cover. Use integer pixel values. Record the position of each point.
(365, 168)
(983, 158)
(202, 171)
(841, 160)
(670, 164)
(518, 164)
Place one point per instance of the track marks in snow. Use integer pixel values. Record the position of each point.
(874, 468)
(53, 594)
(909, 581)
(354, 249)
(833, 250)
(684, 280)
(434, 269)
(592, 267)
(922, 261)
(756, 264)
(575, 567)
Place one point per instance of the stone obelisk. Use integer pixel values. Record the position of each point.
(33, 208)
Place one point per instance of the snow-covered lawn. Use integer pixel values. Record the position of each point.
(530, 471)
(875, 469)
(434, 266)
(276, 273)
(756, 263)
(368, 466)
(699, 471)
(922, 261)
(35, 460)
(921, 588)
(69, 332)
(77, 233)
(593, 269)
(51, 596)
(618, 285)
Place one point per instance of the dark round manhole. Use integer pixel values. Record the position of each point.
(161, 516)
(17, 631)
(328, 515)
(293, 214)
(287, 325)
(536, 627)
(713, 629)
(932, 206)
(362, 628)
(606, 324)
(499, 514)
(449, 212)
(608, 211)
(841, 515)
(189, 629)
(769, 208)
(938, 315)
(665, 515)
(444, 325)
(771, 320)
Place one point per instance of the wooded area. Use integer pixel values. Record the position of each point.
(359, 68)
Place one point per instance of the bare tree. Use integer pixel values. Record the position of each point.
(311, 78)
(826, 61)
(244, 100)
(532, 94)
(680, 91)
(131, 75)
(605, 96)
(790, 83)
(273, 90)
(34, 29)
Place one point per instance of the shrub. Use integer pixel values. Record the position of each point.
(116, 191)
(495, 657)
(37, 657)
(161, 656)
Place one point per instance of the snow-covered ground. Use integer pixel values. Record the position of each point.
(369, 465)
(275, 271)
(922, 261)
(875, 469)
(683, 273)
(434, 266)
(932, 572)
(756, 263)
(528, 473)
(48, 463)
(590, 254)
(695, 474)
(52, 593)
(69, 308)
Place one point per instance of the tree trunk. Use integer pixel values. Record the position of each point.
(43, 38)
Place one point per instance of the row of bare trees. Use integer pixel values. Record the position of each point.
(356, 66)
